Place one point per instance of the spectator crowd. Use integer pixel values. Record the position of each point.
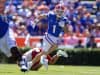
(83, 16)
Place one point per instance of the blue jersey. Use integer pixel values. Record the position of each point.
(55, 25)
(3, 27)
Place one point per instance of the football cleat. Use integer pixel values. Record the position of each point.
(24, 68)
(62, 53)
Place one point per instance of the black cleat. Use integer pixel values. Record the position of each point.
(24, 68)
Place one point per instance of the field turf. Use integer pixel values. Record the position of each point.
(12, 69)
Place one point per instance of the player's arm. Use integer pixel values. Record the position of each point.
(65, 28)
(41, 16)
(67, 23)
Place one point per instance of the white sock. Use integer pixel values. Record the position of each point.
(30, 65)
(43, 57)
(22, 62)
(44, 61)
(46, 64)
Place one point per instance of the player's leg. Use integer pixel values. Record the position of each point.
(11, 44)
(57, 55)
(48, 48)
(3, 47)
(36, 67)
(37, 57)
(50, 45)
(24, 64)
(16, 54)
(12, 53)
(27, 65)
(26, 61)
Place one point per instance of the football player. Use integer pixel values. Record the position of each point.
(31, 54)
(57, 24)
(7, 40)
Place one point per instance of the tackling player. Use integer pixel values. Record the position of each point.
(31, 54)
(7, 40)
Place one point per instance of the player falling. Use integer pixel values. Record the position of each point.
(31, 54)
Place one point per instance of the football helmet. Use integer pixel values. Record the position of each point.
(59, 10)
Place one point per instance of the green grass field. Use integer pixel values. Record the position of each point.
(6, 69)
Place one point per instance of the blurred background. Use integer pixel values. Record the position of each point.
(83, 31)
(84, 17)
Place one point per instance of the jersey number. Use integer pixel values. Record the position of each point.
(54, 28)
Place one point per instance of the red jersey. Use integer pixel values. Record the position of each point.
(37, 51)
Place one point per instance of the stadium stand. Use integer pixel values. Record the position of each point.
(83, 15)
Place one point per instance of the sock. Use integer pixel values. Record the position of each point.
(30, 65)
(44, 61)
(23, 61)
(46, 64)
